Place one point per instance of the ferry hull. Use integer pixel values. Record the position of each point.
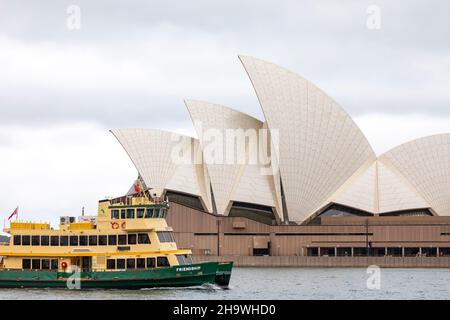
(177, 276)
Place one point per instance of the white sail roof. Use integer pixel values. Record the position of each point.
(232, 180)
(395, 192)
(322, 155)
(360, 191)
(320, 145)
(379, 189)
(425, 164)
(166, 161)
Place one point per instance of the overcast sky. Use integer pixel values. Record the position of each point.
(132, 63)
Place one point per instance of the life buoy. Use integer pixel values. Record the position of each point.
(114, 225)
(123, 225)
(64, 265)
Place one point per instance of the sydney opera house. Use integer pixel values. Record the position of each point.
(324, 198)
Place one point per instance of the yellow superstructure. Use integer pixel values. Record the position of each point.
(127, 233)
(29, 226)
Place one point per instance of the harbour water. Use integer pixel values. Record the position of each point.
(281, 283)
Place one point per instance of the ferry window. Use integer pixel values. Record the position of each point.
(92, 240)
(54, 264)
(140, 212)
(132, 238)
(123, 214)
(156, 213)
(110, 264)
(54, 241)
(180, 259)
(143, 238)
(74, 240)
(183, 259)
(151, 263)
(45, 240)
(112, 240)
(163, 262)
(45, 264)
(130, 213)
(122, 239)
(17, 240)
(115, 214)
(149, 212)
(25, 240)
(83, 240)
(165, 236)
(63, 240)
(35, 240)
(26, 263)
(131, 263)
(35, 264)
(161, 236)
(120, 263)
(140, 263)
(102, 240)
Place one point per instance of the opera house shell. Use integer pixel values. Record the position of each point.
(321, 163)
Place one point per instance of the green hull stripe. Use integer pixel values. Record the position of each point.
(189, 275)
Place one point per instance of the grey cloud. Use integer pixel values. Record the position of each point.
(328, 43)
(109, 109)
(419, 24)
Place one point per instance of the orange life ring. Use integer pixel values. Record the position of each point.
(114, 225)
(64, 265)
(123, 225)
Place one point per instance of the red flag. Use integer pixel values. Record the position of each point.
(137, 188)
(14, 213)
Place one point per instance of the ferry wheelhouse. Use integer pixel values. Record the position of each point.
(127, 245)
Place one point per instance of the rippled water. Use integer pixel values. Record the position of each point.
(280, 283)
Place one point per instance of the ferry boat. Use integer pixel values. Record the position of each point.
(127, 245)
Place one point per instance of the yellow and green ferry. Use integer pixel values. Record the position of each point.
(127, 245)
